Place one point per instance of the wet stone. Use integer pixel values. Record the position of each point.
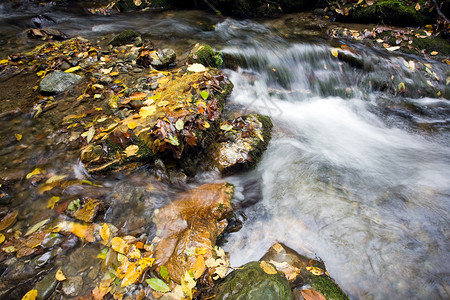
(72, 286)
(251, 281)
(41, 260)
(46, 286)
(57, 82)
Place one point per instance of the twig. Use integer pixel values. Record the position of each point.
(440, 13)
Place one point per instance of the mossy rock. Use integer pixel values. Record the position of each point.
(393, 12)
(252, 282)
(205, 55)
(327, 287)
(125, 37)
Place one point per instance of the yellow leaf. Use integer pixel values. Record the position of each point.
(434, 53)
(199, 267)
(315, 271)
(52, 201)
(105, 232)
(131, 150)
(196, 68)
(114, 74)
(359, 2)
(90, 134)
(73, 69)
(18, 136)
(36, 171)
(55, 178)
(60, 275)
(3, 62)
(147, 111)
(31, 295)
(206, 124)
(119, 245)
(132, 125)
(36, 227)
(9, 249)
(334, 52)
(187, 284)
(2, 238)
(268, 268)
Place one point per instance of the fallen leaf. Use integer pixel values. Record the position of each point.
(147, 111)
(132, 125)
(118, 244)
(334, 52)
(401, 87)
(179, 125)
(90, 134)
(52, 201)
(73, 69)
(131, 150)
(392, 48)
(18, 136)
(158, 285)
(226, 127)
(31, 295)
(196, 68)
(204, 94)
(173, 140)
(105, 232)
(60, 275)
(199, 266)
(8, 220)
(3, 62)
(268, 268)
(434, 53)
(2, 238)
(312, 295)
(164, 273)
(55, 178)
(417, 7)
(315, 271)
(36, 171)
(36, 227)
(9, 249)
(187, 284)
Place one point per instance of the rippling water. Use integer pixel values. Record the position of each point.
(354, 174)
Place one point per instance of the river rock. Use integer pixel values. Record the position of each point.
(57, 82)
(205, 55)
(158, 59)
(46, 286)
(125, 37)
(193, 221)
(241, 143)
(303, 272)
(254, 280)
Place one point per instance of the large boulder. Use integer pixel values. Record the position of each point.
(304, 274)
(189, 228)
(57, 82)
(241, 143)
(255, 280)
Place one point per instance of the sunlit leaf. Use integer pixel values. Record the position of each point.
(434, 53)
(206, 124)
(158, 285)
(3, 61)
(187, 284)
(204, 94)
(8, 220)
(2, 238)
(393, 48)
(131, 150)
(90, 134)
(179, 125)
(118, 244)
(334, 52)
(315, 271)
(18, 136)
(147, 111)
(196, 68)
(36, 227)
(73, 69)
(226, 127)
(199, 267)
(60, 275)
(31, 295)
(163, 103)
(268, 268)
(105, 232)
(36, 171)
(132, 125)
(9, 249)
(418, 7)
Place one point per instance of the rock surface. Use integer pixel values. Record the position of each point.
(57, 82)
(193, 221)
(241, 144)
(254, 281)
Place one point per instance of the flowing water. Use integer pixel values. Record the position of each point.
(354, 174)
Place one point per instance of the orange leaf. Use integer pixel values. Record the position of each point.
(312, 295)
(199, 267)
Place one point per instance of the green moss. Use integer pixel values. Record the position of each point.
(394, 12)
(326, 286)
(433, 44)
(125, 37)
(206, 56)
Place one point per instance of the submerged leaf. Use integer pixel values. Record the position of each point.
(36, 227)
(31, 295)
(158, 285)
(60, 275)
(52, 201)
(36, 171)
(8, 220)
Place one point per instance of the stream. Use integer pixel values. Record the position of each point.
(355, 175)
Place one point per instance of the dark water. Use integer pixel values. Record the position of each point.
(354, 174)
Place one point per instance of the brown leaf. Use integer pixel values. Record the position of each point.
(312, 295)
(8, 220)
